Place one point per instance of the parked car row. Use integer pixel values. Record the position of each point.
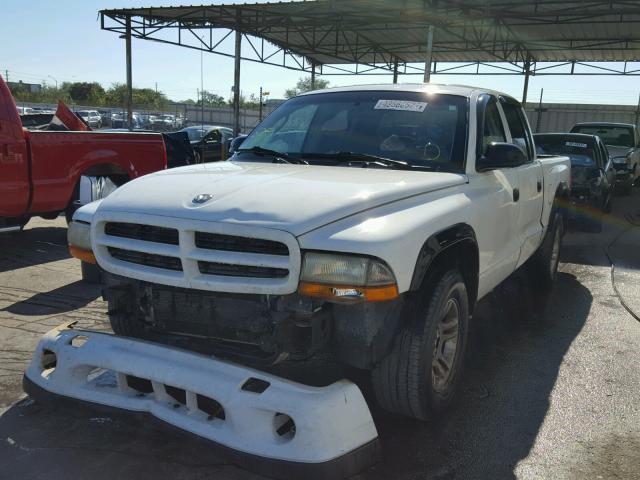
(603, 156)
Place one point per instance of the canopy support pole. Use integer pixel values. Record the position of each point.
(313, 75)
(236, 84)
(429, 56)
(129, 74)
(395, 70)
(527, 73)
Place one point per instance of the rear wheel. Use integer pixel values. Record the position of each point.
(544, 263)
(421, 374)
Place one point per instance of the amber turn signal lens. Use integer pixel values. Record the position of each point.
(81, 254)
(348, 294)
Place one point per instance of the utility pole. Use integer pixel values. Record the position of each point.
(129, 75)
(260, 110)
(6, 75)
(156, 88)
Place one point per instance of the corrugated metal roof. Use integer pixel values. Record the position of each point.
(378, 31)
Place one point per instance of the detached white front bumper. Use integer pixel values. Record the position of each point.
(264, 417)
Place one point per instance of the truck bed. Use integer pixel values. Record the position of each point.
(58, 158)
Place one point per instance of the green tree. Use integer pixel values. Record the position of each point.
(88, 93)
(116, 96)
(211, 99)
(47, 94)
(304, 85)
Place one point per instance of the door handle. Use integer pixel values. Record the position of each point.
(516, 194)
(539, 186)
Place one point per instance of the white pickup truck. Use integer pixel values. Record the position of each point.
(362, 223)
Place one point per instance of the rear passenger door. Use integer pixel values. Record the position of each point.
(530, 179)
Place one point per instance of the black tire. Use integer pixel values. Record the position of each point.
(123, 318)
(544, 263)
(90, 272)
(404, 381)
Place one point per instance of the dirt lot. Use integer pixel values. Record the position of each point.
(552, 383)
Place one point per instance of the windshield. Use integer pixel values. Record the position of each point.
(580, 151)
(610, 135)
(422, 130)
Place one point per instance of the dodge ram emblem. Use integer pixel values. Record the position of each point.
(202, 198)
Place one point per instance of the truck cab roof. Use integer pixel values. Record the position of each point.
(429, 88)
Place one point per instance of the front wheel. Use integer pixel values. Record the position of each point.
(421, 374)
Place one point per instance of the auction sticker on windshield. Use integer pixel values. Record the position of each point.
(574, 144)
(405, 105)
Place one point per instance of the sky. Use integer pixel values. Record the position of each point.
(61, 40)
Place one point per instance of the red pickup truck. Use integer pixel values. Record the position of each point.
(46, 173)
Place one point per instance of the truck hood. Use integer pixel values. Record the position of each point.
(294, 198)
(615, 151)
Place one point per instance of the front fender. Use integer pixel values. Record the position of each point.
(395, 232)
(86, 212)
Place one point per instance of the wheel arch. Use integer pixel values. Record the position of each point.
(112, 170)
(455, 246)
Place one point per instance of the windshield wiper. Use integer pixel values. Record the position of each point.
(347, 157)
(366, 157)
(278, 157)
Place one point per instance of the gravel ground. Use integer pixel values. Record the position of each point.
(551, 386)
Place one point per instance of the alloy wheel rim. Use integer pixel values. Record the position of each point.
(445, 346)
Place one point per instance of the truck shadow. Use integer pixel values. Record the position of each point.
(517, 342)
(67, 298)
(31, 247)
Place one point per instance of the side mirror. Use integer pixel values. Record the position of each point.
(501, 155)
(235, 143)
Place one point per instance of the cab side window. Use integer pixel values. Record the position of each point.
(213, 137)
(493, 129)
(517, 127)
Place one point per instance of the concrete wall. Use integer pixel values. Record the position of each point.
(556, 117)
(223, 116)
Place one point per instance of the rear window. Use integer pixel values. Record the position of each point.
(610, 135)
(579, 151)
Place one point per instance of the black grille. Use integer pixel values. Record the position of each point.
(149, 233)
(147, 259)
(231, 243)
(225, 270)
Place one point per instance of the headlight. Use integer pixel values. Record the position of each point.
(346, 278)
(79, 240)
(619, 159)
(79, 235)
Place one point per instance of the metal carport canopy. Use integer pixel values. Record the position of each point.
(383, 36)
